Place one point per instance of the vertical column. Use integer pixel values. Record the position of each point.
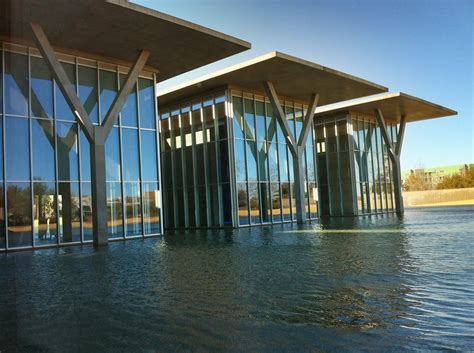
(397, 184)
(299, 184)
(99, 188)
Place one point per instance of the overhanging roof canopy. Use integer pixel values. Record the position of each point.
(117, 29)
(291, 77)
(392, 105)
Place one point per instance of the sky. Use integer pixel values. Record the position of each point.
(420, 47)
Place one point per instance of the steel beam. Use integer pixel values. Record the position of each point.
(308, 119)
(401, 134)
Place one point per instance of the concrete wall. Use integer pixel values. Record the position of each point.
(432, 197)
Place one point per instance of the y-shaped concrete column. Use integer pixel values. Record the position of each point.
(96, 135)
(296, 147)
(394, 154)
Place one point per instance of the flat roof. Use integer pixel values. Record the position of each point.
(392, 105)
(291, 76)
(117, 29)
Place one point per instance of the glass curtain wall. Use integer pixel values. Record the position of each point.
(45, 189)
(373, 167)
(195, 164)
(263, 163)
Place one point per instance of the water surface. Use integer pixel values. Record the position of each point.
(371, 284)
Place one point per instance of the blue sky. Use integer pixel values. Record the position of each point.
(420, 47)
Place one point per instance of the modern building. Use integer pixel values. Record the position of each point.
(79, 148)
(248, 145)
(87, 154)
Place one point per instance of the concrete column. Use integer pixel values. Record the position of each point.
(299, 185)
(99, 189)
(397, 185)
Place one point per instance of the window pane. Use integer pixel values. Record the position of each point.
(261, 120)
(87, 211)
(2, 217)
(254, 203)
(224, 160)
(285, 201)
(69, 212)
(238, 117)
(227, 204)
(133, 209)
(16, 84)
(271, 124)
(265, 204)
(221, 120)
(201, 197)
(19, 214)
(17, 149)
(131, 167)
(129, 110)
(273, 161)
(276, 202)
(191, 208)
(283, 162)
(88, 91)
(114, 210)
(149, 157)
(249, 119)
(108, 91)
(44, 211)
(43, 149)
(242, 203)
(85, 158)
(41, 89)
(68, 157)
(1, 83)
(262, 161)
(63, 111)
(151, 208)
(112, 156)
(147, 104)
(240, 169)
(251, 161)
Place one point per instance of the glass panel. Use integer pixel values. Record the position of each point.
(133, 210)
(69, 212)
(151, 208)
(108, 92)
(227, 204)
(114, 210)
(41, 89)
(149, 157)
(271, 124)
(254, 203)
(342, 135)
(131, 167)
(242, 203)
(262, 161)
(85, 158)
(251, 161)
(68, 154)
(273, 162)
(87, 211)
(221, 120)
(261, 120)
(201, 195)
(129, 110)
(299, 122)
(214, 203)
(19, 214)
(284, 175)
(181, 219)
(212, 163)
(168, 208)
(146, 103)
(224, 160)
(63, 111)
(2, 215)
(249, 119)
(16, 84)
(88, 92)
(238, 117)
(191, 208)
(276, 202)
(285, 201)
(17, 149)
(346, 181)
(1, 82)
(44, 211)
(240, 169)
(290, 116)
(112, 156)
(43, 149)
(331, 138)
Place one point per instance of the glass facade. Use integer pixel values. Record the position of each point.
(195, 164)
(45, 189)
(263, 163)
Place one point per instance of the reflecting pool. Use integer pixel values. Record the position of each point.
(372, 284)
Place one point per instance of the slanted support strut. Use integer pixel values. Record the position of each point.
(394, 154)
(296, 145)
(96, 135)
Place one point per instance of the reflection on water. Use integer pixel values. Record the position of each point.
(373, 284)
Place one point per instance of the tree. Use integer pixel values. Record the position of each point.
(415, 182)
(458, 180)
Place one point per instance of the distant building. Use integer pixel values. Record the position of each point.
(433, 176)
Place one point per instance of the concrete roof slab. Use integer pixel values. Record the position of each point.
(392, 105)
(291, 77)
(118, 29)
